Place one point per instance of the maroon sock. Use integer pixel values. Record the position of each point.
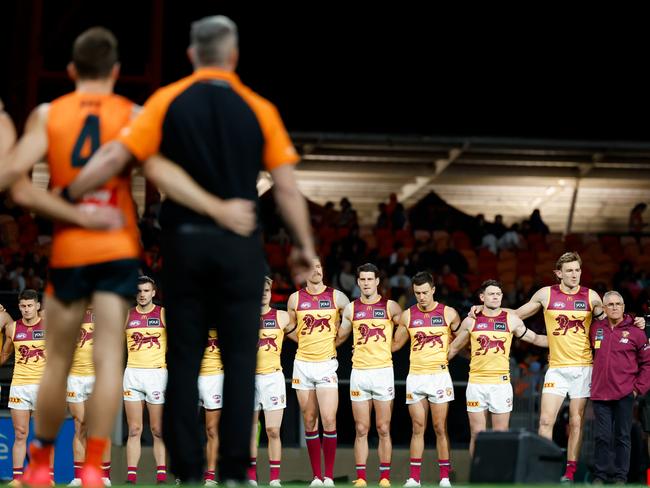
(18, 474)
(329, 452)
(274, 467)
(161, 474)
(384, 471)
(415, 468)
(209, 475)
(77, 470)
(106, 468)
(313, 448)
(251, 472)
(571, 467)
(132, 474)
(361, 471)
(445, 467)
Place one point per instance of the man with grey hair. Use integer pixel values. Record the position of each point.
(222, 135)
(621, 373)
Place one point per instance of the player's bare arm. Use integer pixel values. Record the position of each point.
(8, 346)
(537, 301)
(462, 337)
(346, 326)
(340, 301)
(395, 311)
(284, 320)
(109, 160)
(7, 131)
(402, 333)
(452, 318)
(236, 214)
(520, 331)
(292, 326)
(30, 149)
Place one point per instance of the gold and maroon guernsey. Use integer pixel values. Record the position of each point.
(146, 339)
(211, 364)
(29, 345)
(372, 333)
(491, 339)
(269, 344)
(429, 333)
(317, 318)
(568, 317)
(82, 362)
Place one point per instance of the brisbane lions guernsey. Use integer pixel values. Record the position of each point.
(429, 333)
(146, 338)
(269, 344)
(317, 318)
(372, 329)
(29, 345)
(491, 339)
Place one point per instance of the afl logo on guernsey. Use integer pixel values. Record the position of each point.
(134, 323)
(418, 323)
(558, 305)
(324, 304)
(38, 334)
(499, 326)
(579, 305)
(153, 322)
(305, 305)
(269, 324)
(379, 314)
(360, 315)
(21, 335)
(481, 326)
(437, 321)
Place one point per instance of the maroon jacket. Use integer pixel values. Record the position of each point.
(621, 360)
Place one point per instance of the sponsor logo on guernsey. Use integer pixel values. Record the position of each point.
(499, 326)
(134, 323)
(379, 314)
(155, 322)
(21, 335)
(580, 305)
(38, 334)
(481, 326)
(305, 305)
(360, 315)
(269, 323)
(437, 321)
(558, 305)
(418, 323)
(324, 304)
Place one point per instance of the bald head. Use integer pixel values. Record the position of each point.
(213, 42)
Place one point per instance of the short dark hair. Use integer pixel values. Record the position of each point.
(487, 283)
(368, 268)
(94, 53)
(28, 295)
(422, 278)
(146, 279)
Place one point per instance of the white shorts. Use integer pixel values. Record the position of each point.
(211, 391)
(270, 391)
(372, 384)
(311, 375)
(497, 398)
(23, 397)
(146, 384)
(573, 380)
(80, 388)
(437, 388)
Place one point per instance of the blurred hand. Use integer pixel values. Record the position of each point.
(300, 262)
(2, 308)
(639, 322)
(474, 311)
(236, 215)
(100, 217)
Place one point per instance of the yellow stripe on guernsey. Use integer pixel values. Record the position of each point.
(372, 330)
(146, 339)
(269, 344)
(568, 318)
(491, 339)
(429, 333)
(317, 318)
(211, 363)
(29, 346)
(82, 363)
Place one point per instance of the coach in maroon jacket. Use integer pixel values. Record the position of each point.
(621, 373)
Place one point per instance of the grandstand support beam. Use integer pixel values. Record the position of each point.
(583, 169)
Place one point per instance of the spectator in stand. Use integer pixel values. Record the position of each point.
(478, 230)
(450, 279)
(346, 280)
(498, 228)
(392, 204)
(382, 218)
(353, 248)
(537, 225)
(329, 215)
(511, 239)
(398, 218)
(455, 260)
(399, 282)
(636, 225)
(347, 216)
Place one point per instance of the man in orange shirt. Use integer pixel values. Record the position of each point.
(223, 134)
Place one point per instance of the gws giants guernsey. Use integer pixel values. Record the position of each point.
(372, 329)
(429, 333)
(568, 318)
(317, 318)
(269, 344)
(146, 339)
(29, 345)
(491, 339)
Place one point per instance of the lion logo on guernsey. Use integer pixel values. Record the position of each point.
(213, 344)
(84, 336)
(312, 322)
(485, 344)
(368, 331)
(26, 354)
(422, 339)
(564, 324)
(268, 341)
(139, 339)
